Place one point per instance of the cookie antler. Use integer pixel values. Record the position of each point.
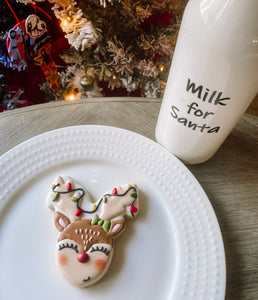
(122, 201)
(64, 198)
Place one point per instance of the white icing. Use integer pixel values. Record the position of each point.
(117, 206)
(77, 194)
(75, 272)
(64, 204)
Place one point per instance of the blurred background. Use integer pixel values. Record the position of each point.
(96, 48)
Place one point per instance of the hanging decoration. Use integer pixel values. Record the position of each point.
(28, 57)
(37, 31)
(15, 44)
(40, 38)
(16, 49)
(48, 66)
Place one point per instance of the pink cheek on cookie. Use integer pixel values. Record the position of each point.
(63, 260)
(100, 264)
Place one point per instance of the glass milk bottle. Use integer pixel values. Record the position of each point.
(213, 77)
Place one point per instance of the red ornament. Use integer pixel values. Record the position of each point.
(83, 257)
(79, 212)
(114, 192)
(69, 186)
(133, 209)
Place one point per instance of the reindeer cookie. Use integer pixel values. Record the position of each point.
(84, 247)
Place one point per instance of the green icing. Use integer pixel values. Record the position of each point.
(100, 222)
(105, 199)
(56, 196)
(94, 220)
(133, 194)
(106, 225)
(74, 199)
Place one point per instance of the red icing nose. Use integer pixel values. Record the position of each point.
(83, 257)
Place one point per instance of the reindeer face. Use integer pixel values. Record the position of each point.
(83, 268)
(84, 251)
(84, 248)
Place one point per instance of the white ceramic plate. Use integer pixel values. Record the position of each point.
(172, 250)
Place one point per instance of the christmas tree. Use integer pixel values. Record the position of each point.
(116, 47)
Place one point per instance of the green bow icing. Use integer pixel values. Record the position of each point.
(104, 223)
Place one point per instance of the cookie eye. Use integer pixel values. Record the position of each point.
(67, 245)
(101, 249)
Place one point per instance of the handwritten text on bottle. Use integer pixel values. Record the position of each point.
(193, 108)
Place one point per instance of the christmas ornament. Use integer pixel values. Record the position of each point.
(37, 30)
(48, 66)
(15, 47)
(15, 44)
(86, 83)
(40, 38)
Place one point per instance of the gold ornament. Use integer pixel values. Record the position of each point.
(86, 83)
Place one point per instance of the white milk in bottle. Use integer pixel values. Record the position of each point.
(213, 77)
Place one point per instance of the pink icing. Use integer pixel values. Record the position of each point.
(62, 222)
(116, 227)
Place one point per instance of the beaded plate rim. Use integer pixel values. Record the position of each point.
(202, 267)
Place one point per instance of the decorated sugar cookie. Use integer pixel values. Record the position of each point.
(84, 247)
